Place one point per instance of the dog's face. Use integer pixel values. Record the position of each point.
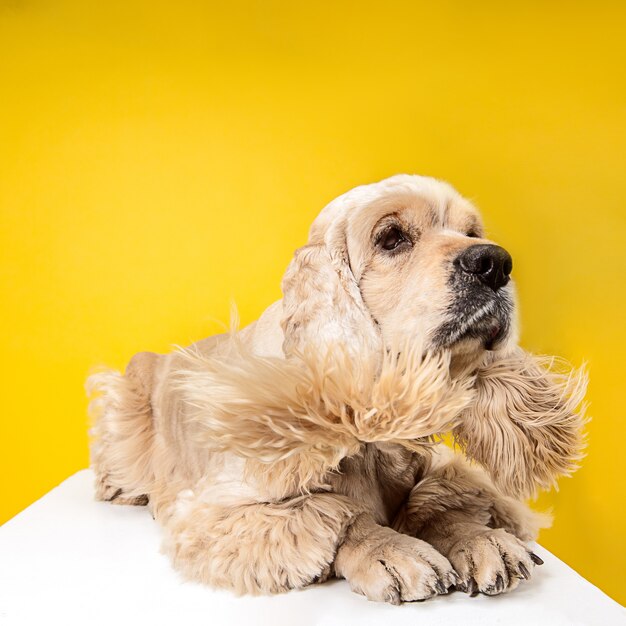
(421, 269)
(426, 272)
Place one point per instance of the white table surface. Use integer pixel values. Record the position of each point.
(68, 559)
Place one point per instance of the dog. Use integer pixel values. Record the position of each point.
(308, 445)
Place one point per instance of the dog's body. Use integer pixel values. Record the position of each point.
(299, 448)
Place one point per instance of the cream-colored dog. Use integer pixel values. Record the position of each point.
(303, 446)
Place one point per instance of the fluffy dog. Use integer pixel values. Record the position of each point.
(305, 445)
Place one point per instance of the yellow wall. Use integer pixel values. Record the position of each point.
(160, 158)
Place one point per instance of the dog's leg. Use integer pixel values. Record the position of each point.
(482, 532)
(271, 548)
(257, 547)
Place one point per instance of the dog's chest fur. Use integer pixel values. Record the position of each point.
(379, 477)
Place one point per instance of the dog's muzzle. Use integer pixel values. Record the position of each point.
(481, 307)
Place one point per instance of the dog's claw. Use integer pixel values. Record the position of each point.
(472, 588)
(393, 597)
(499, 583)
(523, 570)
(117, 494)
(536, 559)
(441, 588)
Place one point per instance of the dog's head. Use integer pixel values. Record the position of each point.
(404, 263)
(401, 261)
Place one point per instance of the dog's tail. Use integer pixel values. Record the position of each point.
(122, 431)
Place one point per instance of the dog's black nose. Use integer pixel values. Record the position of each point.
(490, 264)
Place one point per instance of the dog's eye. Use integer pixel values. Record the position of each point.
(391, 238)
(472, 233)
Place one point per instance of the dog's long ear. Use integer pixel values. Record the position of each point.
(526, 425)
(322, 303)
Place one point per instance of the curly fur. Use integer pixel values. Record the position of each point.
(121, 435)
(259, 548)
(524, 426)
(304, 445)
(312, 411)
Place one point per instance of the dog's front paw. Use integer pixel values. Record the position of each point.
(396, 568)
(492, 562)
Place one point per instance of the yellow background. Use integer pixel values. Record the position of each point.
(158, 159)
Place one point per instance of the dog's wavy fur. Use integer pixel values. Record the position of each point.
(523, 425)
(303, 416)
(306, 445)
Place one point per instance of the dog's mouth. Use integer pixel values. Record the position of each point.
(485, 324)
(494, 334)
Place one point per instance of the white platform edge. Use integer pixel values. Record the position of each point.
(68, 559)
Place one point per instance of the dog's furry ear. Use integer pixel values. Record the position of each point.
(526, 425)
(322, 302)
